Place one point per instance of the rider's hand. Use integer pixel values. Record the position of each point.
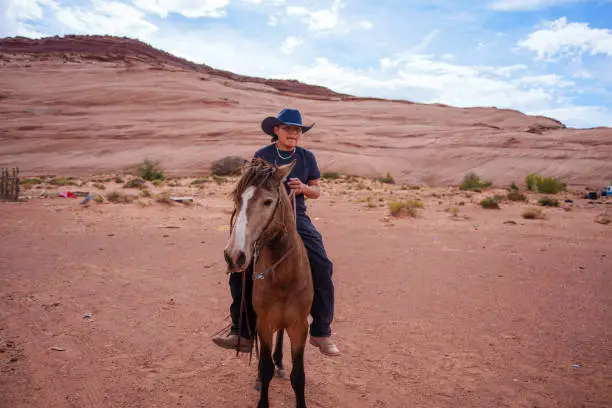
(296, 185)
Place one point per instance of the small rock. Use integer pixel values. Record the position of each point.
(58, 348)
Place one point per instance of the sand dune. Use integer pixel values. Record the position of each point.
(83, 105)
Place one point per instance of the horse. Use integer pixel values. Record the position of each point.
(265, 233)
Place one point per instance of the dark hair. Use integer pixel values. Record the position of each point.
(274, 137)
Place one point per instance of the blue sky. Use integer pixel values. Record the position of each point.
(549, 57)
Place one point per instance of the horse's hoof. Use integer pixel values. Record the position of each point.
(282, 373)
(258, 385)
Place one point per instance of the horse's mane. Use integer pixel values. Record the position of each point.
(258, 173)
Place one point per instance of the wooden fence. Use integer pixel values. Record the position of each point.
(9, 184)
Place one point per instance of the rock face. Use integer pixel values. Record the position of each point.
(79, 105)
(78, 48)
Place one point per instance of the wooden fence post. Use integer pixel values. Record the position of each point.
(17, 186)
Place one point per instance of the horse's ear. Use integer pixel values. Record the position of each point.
(282, 172)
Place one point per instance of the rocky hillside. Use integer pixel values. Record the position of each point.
(79, 105)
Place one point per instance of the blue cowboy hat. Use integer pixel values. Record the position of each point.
(287, 116)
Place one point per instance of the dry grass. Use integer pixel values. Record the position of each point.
(164, 197)
(515, 195)
(407, 208)
(119, 197)
(490, 203)
(548, 202)
(534, 213)
(603, 219)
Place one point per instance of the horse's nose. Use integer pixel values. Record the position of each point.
(240, 259)
(235, 258)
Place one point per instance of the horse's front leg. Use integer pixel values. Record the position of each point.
(278, 356)
(298, 334)
(266, 367)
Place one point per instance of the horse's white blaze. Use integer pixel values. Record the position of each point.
(241, 222)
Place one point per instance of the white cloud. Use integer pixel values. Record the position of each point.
(103, 17)
(551, 80)
(578, 116)
(562, 39)
(290, 44)
(15, 17)
(187, 8)
(321, 19)
(366, 25)
(425, 78)
(422, 46)
(527, 5)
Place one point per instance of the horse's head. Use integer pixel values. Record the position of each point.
(257, 197)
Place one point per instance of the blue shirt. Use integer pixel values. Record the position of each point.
(305, 168)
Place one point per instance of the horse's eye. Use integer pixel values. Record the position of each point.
(268, 202)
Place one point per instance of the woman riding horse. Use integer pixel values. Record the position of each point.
(286, 130)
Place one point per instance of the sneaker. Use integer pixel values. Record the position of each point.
(231, 342)
(326, 345)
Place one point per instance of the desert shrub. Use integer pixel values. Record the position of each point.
(164, 197)
(63, 181)
(331, 175)
(549, 185)
(158, 183)
(135, 183)
(603, 219)
(200, 181)
(472, 181)
(408, 208)
(30, 181)
(514, 187)
(515, 195)
(387, 179)
(533, 213)
(145, 192)
(151, 170)
(489, 203)
(548, 202)
(218, 179)
(99, 186)
(545, 185)
(119, 197)
(453, 210)
(119, 180)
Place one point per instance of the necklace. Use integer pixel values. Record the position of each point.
(283, 157)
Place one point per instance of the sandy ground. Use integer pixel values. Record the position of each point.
(434, 311)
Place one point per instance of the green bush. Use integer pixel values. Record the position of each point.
(489, 203)
(388, 179)
(545, 185)
(472, 181)
(150, 170)
(548, 202)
